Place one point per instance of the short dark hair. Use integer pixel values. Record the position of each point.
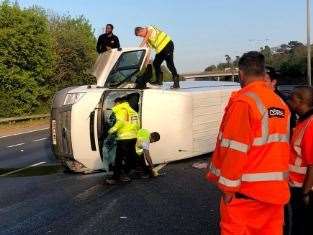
(272, 73)
(252, 63)
(137, 30)
(155, 136)
(111, 25)
(304, 93)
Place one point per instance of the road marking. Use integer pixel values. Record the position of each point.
(40, 139)
(15, 145)
(21, 169)
(26, 132)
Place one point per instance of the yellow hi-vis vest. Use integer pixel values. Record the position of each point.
(158, 39)
(127, 122)
(143, 139)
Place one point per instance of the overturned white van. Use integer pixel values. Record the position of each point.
(187, 118)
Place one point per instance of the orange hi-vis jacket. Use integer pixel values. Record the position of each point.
(252, 150)
(301, 151)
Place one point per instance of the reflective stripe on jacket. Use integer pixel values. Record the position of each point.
(252, 149)
(127, 122)
(298, 165)
(158, 39)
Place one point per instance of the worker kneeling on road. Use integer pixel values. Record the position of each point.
(126, 127)
(144, 138)
(164, 48)
(250, 161)
(301, 163)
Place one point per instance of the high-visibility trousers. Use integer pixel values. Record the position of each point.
(251, 217)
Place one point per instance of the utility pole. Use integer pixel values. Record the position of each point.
(308, 12)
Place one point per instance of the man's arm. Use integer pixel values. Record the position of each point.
(236, 139)
(117, 41)
(307, 151)
(120, 120)
(146, 38)
(99, 45)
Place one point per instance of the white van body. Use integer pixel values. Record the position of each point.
(187, 118)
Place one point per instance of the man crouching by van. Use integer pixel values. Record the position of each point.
(144, 138)
(126, 128)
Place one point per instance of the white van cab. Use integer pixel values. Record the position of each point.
(187, 118)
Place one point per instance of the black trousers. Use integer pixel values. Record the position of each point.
(166, 54)
(301, 215)
(125, 159)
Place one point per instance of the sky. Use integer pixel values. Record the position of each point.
(203, 31)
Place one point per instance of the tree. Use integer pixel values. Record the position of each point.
(267, 52)
(210, 68)
(74, 46)
(26, 58)
(228, 60)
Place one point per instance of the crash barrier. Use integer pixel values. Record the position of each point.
(13, 120)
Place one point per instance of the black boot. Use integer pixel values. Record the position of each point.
(176, 83)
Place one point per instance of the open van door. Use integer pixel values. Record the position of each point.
(117, 68)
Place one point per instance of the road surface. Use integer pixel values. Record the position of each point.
(45, 200)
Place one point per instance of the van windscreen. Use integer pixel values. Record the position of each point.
(127, 65)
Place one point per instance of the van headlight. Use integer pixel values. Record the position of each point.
(72, 98)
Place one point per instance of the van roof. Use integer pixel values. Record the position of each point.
(193, 86)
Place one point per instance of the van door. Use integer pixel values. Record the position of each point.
(105, 120)
(117, 67)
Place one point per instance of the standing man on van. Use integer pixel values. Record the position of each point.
(164, 48)
(250, 161)
(126, 128)
(108, 40)
(301, 163)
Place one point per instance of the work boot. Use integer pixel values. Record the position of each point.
(176, 83)
(158, 81)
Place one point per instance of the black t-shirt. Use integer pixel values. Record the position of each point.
(105, 41)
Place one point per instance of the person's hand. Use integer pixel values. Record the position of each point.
(227, 197)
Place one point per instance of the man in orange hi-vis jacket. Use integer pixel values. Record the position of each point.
(250, 161)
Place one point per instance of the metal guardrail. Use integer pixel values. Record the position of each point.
(25, 118)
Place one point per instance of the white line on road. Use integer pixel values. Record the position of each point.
(26, 132)
(21, 169)
(15, 145)
(40, 139)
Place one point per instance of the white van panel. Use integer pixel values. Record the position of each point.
(80, 133)
(188, 120)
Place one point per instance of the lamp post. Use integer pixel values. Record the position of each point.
(308, 18)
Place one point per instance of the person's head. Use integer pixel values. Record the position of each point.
(141, 31)
(120, 100)
(109, 29)
(154, 137)
(271, 77)
(251, 67)
(301, 100)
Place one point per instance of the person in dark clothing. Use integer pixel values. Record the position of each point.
(144, 78)
(108, 40)
(272, 78)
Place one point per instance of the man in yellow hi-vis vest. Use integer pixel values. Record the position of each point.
(164, 48)
(126, 128)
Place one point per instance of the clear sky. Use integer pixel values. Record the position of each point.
(203, 30)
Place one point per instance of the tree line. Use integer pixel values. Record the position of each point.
(289, 59)
(41, 52)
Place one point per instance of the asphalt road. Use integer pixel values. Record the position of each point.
(179, 202)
